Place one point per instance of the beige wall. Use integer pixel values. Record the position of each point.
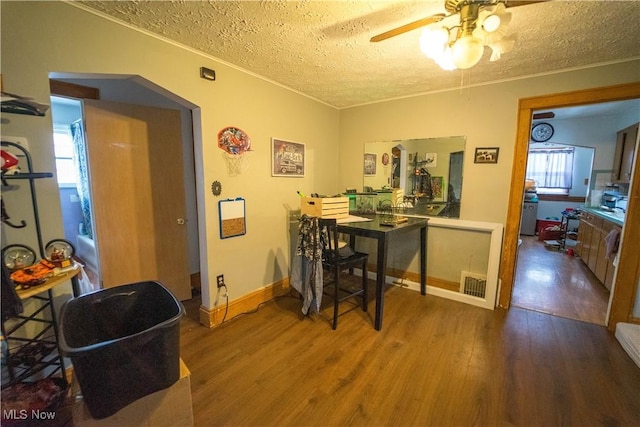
(68, 39)
(43, 37)
(486, 115)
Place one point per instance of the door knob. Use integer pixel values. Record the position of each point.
(181, 221)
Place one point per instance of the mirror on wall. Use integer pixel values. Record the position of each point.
(423, 176)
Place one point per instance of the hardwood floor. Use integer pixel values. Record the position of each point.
(436, 362)
(553, 282)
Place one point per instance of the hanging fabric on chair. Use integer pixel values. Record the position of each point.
(306, 269)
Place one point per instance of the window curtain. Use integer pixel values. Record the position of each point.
(80, 159)
(551, 168)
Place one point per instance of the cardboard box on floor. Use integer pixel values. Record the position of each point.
(169, 407)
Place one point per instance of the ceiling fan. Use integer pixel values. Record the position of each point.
(482, 22)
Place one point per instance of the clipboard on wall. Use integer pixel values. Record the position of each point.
(232, 217)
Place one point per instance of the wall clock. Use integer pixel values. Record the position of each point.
(541, 132)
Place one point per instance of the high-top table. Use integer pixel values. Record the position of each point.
(382, 233)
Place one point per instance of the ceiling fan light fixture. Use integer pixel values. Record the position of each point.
(433, 42)
(467, 51)
(445, 61)
(501, 46)
(481, 23)
(491, 23)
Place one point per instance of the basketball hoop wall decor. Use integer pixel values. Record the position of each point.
(234, 144)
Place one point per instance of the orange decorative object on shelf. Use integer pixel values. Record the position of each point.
(33, 275)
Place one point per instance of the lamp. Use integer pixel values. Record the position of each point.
(445, 61)
(501, 46)
(434, 41)
(467, 51)
(492, 24)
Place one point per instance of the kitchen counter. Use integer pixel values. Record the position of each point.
(615, 217)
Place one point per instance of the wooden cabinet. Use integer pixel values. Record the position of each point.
(602, 260)
(592, 246)
(595, 243)
(584, 247)
(585, 230)
(625, 152)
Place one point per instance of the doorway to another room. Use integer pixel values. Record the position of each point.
(553, 282)
(137, 101)
(565, 264)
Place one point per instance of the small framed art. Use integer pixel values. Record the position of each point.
(486, 155)
(370, 163)
(287, 158)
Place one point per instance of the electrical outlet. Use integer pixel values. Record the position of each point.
(220, 280)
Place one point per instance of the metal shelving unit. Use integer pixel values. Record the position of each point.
(26, 357)
(28, 353)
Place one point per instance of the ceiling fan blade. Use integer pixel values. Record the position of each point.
(514, 3)
(409, 27)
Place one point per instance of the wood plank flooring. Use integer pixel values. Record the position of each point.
(436, 362)
(556, 283)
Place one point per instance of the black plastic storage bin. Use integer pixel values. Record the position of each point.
(124, 343)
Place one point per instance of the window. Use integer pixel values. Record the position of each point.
(63, 147)
(551, 169)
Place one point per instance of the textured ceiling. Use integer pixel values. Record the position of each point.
(322, 48)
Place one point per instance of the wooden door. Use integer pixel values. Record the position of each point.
(137, 188)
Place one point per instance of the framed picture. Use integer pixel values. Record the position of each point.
(370, 163)
(430, 160)
(486, 155)
(287, 158)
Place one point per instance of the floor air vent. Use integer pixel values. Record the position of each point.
(473, 284)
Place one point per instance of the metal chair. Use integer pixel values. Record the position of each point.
(335, 260)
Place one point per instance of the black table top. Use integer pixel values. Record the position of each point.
(375, 229)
